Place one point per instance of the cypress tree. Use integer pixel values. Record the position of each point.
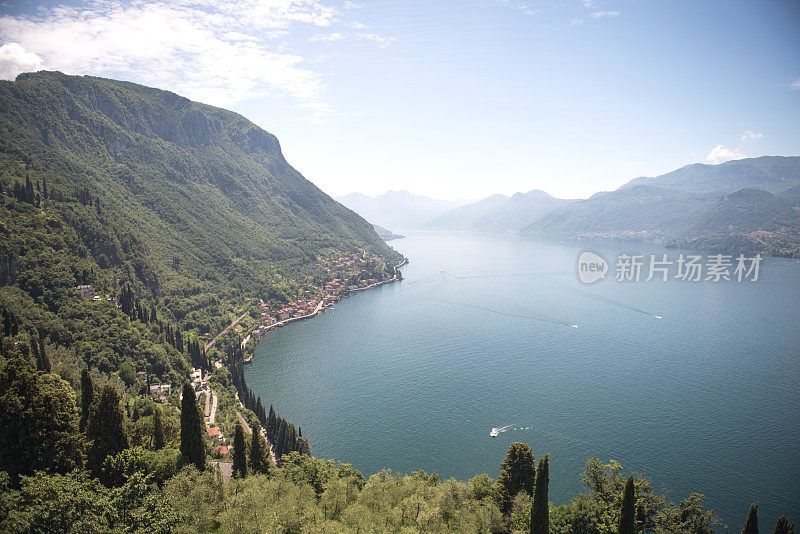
(87, 396)
(193, 447)
(628, 512)
(783, 526)
(35, 349)
(540, 510)
(751, 527)
(158, 430)
(6, 323)
(280, 438)
(46, 367)
(105, 430)
(239, 452)
(258, 452)
(271, 420)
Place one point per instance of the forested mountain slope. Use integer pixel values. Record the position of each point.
(193, 204)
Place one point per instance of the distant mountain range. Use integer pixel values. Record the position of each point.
(770, 173)
(397, 210)
(743, 205)
(499, 213)
(750, 205)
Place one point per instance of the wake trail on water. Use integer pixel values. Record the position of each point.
(592, 446)
(498, 312)
(619, 304)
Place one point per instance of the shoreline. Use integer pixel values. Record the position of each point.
(321, 307)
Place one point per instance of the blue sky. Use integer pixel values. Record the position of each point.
(453, 99)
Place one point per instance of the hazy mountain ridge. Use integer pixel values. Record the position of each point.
(770, 173)
(398, 210)
(687, 208)
(499, 213)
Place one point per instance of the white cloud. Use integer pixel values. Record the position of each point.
(383, 42)
(794, 85)
(328, 37)
(517, 5)
(750, 134)
(576, 22)
(15, 59)
(220, 53)
(721, 154)
(598, 14)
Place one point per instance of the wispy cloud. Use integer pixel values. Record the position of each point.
(598, 14)
(220, 53)
(750, 134)
(517, 5)
(794, 85)
(721, 154)
(576, 22)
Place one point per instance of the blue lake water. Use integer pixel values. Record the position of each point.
(414, 375)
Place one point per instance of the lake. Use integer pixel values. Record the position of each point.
(414, 374)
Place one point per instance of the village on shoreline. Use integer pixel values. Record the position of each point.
(344, 275)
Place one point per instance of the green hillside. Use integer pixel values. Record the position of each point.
(197, 206)
(747, 221)
(641, 213)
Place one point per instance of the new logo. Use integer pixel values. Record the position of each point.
(591, 267)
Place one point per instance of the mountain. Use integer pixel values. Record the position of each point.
(399, 210)
(386, 235)
(640, 212)
(195, 206)
(747, 221)
(793, 193)
(733, 207)
(769, 173)
(499, 213)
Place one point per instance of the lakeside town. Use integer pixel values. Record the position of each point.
(341, 276)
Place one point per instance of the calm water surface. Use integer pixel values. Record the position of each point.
(414, 375)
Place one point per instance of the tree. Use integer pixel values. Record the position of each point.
(105, 430)
(751, 527)
(193, 447)
(627, 515)
(783, 526)
(239, 452)
(45, 359)
(271, 424)
(158, 430)
(517, 474)
(259, 462)
(39, 422)
(87, 396)
(540, 510)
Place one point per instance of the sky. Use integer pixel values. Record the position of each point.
(453, 100)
